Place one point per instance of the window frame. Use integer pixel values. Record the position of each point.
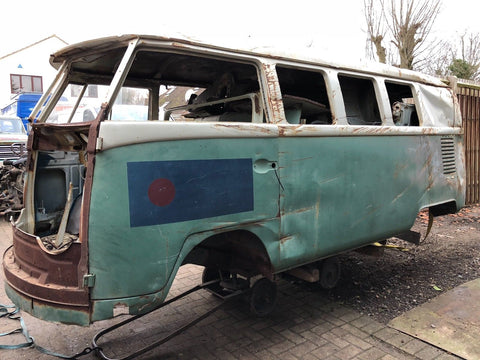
(329, 87)
(377, 92)
(21, 78)
(414, 92)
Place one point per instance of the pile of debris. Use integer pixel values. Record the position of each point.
(11, 187)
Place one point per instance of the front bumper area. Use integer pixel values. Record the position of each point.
(47, 286)
(48, 311)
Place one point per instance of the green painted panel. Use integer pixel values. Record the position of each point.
(345, 192)
(23, 302)
(50, 312)
(336, 194)
(104, 309)
(131, 261)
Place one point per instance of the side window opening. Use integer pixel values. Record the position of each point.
(402, 103)
(205, 89)
(361, 104)
(188, 87)
(304, 95)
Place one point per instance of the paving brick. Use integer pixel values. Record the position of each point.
(310, 357)
(372, 354)
(303, 326)
(445, 356)
(323, 327)
(389, 357)
(358, 342)
(326, 351)
(303, 349)
(355, 331)
(333, 319)
(413, 346)
(339, 331)
(287, 356)
(225, 355)
(239, 344)
(373, 327)
(254, 336)
(286, 324)
(350, 352)
(281, 347)
(398, 340)
(350, 316)
(334, 339)
(266, 355)
(272, 335)
(429, 353)
(244, 353)
(314, 337)
(293, 337)
(386, 333)
(200, 352)
(361, 321)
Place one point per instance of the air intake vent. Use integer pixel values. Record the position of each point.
(448, 155)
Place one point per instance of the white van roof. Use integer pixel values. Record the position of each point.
(305, 57)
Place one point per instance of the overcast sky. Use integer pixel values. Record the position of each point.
(333, 28)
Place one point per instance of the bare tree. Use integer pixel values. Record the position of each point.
(408, 22)
(471, 51)
(460, 57)
(375, 30)
(439, 59)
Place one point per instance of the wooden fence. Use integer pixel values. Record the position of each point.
(469, 98)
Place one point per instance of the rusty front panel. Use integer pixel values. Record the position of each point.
(470, 106)
(51, 278)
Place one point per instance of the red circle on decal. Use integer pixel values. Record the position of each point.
(161, 192)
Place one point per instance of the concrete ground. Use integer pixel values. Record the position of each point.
(303, 326)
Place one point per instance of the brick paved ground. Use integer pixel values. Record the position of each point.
(303, 326)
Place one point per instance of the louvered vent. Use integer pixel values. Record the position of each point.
(448, 155)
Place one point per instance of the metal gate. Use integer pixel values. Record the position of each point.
(469, 97)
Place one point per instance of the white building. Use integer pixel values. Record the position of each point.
(28, 69)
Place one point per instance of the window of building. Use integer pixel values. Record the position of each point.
(361, 104)
(25, 83)
(304, 95)
(402, 103)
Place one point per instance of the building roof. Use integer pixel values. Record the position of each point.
(32, 45)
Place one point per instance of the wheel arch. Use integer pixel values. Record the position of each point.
(239, 251)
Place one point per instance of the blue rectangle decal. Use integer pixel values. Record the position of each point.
(162, 192)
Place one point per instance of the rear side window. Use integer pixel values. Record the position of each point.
(402, 103)
(304, 96)
(361, 104)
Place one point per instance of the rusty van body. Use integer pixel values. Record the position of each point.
(250, 164)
